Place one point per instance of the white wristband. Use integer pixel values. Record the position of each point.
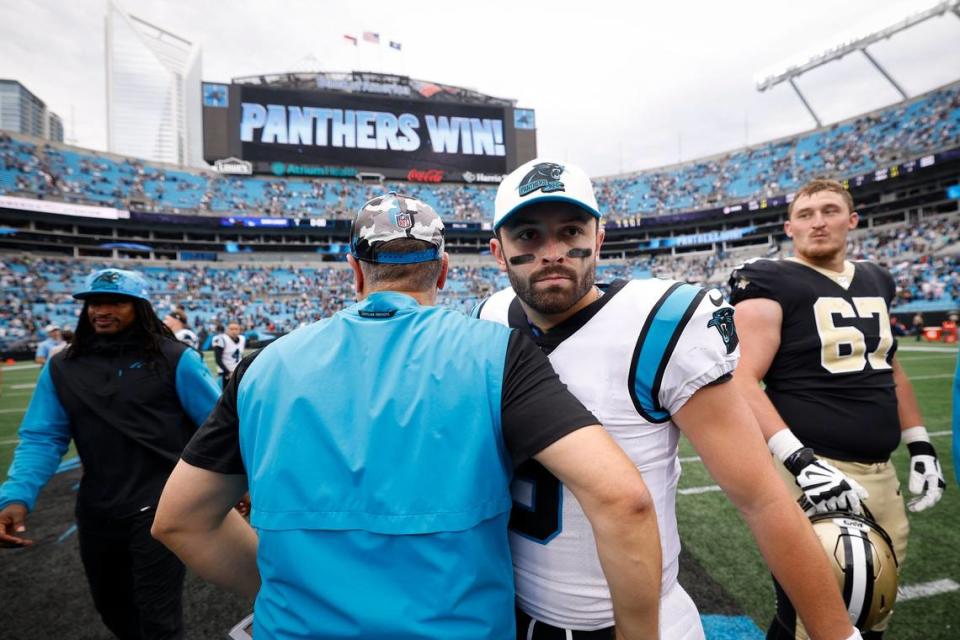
(914, 434)
(784, 444)
(855, 635)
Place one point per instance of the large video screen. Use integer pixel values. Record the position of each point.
(270, 125)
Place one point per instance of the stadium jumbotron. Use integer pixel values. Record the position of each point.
(234, 201)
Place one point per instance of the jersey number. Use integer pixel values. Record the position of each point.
(539, 518)
(844, 349)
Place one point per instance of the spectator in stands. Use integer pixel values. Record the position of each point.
(277, 299)
(130, 396)
(53, 341)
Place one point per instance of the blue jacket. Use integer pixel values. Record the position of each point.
(130, 417)
(378, 476)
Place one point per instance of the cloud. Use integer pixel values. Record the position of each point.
(616, 86)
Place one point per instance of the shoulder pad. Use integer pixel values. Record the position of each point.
(496, 307)
(757, 278)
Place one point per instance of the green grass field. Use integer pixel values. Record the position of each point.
(712, 531)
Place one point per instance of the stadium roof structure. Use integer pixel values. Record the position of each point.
(371, 82)
(793, 71)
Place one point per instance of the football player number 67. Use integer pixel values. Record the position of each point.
(833, 339)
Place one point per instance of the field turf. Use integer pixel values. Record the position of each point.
(43, 591)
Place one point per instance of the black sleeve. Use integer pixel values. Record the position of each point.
(216, 445)
(218, 358)
(537, 409)
(756, 279)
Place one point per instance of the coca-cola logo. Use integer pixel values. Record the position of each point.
(429, 175)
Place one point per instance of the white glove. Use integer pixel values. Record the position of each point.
(926, 478)
(824, 487)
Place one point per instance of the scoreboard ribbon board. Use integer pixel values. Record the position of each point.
(311, 127)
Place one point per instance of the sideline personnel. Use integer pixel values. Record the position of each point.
(130, 396)
(379, 445)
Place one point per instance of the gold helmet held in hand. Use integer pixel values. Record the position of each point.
(863, 562)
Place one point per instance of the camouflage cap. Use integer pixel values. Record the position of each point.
(391, 217)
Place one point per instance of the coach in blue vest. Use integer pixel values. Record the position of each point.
(379, 445)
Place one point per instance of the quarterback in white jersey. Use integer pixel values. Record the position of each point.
(228, 350)
(651, 358)
(652, 344)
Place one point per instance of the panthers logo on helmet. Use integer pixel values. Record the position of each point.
(544, 176)
(722, 320)
(107, 281)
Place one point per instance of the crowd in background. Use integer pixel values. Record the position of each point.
(273, 300)
(889, 136)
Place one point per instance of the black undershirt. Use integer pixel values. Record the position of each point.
(536, 411)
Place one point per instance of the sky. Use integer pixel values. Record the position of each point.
(617, 86)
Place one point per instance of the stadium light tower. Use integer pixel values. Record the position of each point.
(852, 45)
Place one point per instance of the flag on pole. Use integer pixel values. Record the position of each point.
(351, 39)
(396, 45)
(370, 36)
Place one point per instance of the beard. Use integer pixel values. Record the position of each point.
(555, 298)
(819, 251)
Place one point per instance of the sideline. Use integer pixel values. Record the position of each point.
(21, 367)
(929, 349)
(927, 589)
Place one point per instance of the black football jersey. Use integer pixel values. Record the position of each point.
(832, 379)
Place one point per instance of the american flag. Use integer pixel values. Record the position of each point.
(396, 45)
(370, 36)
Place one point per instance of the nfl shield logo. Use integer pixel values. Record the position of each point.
(404, 220)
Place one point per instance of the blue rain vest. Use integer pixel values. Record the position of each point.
(379, 477)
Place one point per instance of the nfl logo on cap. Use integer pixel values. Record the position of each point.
(404, 220)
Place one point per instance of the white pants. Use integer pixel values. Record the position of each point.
(679, 618)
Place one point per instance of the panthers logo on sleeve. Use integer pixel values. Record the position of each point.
(722, 321)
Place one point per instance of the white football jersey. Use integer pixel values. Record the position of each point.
(634, 357)
(187, 337)
(232, 351)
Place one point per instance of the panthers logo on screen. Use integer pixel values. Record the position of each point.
(722, 320)
(544, 176)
